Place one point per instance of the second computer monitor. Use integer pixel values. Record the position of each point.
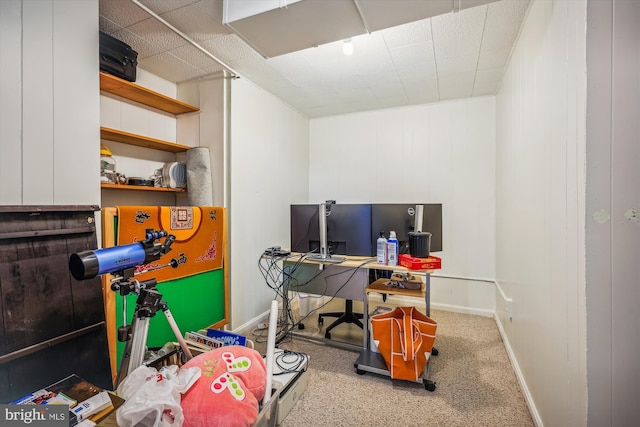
(401, 219)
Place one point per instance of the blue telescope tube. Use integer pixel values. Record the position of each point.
(88, 264)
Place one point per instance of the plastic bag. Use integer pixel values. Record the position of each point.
(153, 397)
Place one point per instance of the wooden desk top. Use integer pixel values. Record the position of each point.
(356, 262)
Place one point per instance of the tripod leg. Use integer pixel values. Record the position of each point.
(139, 343)
(176, 331)
(133, 355)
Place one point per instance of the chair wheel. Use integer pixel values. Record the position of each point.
(300, 325)
(429, 385)
(360, 372)
(320, 321)
(327, 335)
(434, 351)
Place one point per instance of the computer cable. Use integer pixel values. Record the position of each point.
(332, 297)
(290, 362)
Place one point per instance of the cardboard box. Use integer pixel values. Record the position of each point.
(413, 263)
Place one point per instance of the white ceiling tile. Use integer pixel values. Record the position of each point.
(108, 26)
(457, 64)
(297, 70)
(418, 70)
(493, 58)
(319, 90)
(422, 90)
(487, 81)
(213, 8)
(262, 74)
(408, 34)
(169, 67)
(157, 34)
(467, 24)
(197, 25)
(231, 49)
(449, 48)
(122, 12)
(349, 85)
(197, 59)
(378, 77)
(162, 6)
(403, 56)
(456, 86)
(503, 24)
(389, 89)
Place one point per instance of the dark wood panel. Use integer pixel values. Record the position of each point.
(51, 324)
(35, 371)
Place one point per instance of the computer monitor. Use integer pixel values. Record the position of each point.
(348, 229)
(401, 219)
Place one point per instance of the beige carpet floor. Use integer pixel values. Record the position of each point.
(476, 384)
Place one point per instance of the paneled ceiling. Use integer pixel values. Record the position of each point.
(405, 52)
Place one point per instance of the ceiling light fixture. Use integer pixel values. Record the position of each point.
(347, 47)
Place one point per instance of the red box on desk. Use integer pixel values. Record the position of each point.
(413, 263)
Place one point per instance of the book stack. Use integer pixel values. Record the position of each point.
(87, 403)
(227, 338)
(200, 343)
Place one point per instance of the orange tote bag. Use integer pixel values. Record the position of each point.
(406, 338)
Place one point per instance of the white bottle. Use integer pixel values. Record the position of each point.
(392, 249)
(382, 249)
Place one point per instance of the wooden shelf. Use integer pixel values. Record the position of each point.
(141, 141)
(109, 186)
(137, 93)
(380, 286)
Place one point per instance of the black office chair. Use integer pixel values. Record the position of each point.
(348, 316)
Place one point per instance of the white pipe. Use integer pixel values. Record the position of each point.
(186, 37)
(271, 346)
(419, 214)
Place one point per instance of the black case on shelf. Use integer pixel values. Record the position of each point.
(117, 58)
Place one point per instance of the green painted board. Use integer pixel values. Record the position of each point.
(195, 302)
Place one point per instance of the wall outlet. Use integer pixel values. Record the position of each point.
(508, 308)
(263, 325)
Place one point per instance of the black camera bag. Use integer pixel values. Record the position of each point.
(117, 58)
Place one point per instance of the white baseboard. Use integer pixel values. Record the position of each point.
(464, 310)
(253, 323)
(523, 384)
(376, 299)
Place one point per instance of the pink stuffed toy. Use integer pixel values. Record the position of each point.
(228, 392)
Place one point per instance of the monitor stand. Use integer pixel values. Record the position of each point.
(331, 259)
(324, 256)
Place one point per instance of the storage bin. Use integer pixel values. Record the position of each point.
(269, 413)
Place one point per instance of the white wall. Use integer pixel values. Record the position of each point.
(269, 170)
(613, 230)
(540, 192)
(435, 153)
(49, 102)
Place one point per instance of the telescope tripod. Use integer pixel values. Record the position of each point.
(147, 305)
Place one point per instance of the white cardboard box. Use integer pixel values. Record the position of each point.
(293, 384)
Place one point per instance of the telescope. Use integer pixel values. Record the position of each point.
(88, 264)
(121, 261)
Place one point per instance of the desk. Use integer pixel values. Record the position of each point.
(348, 279)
